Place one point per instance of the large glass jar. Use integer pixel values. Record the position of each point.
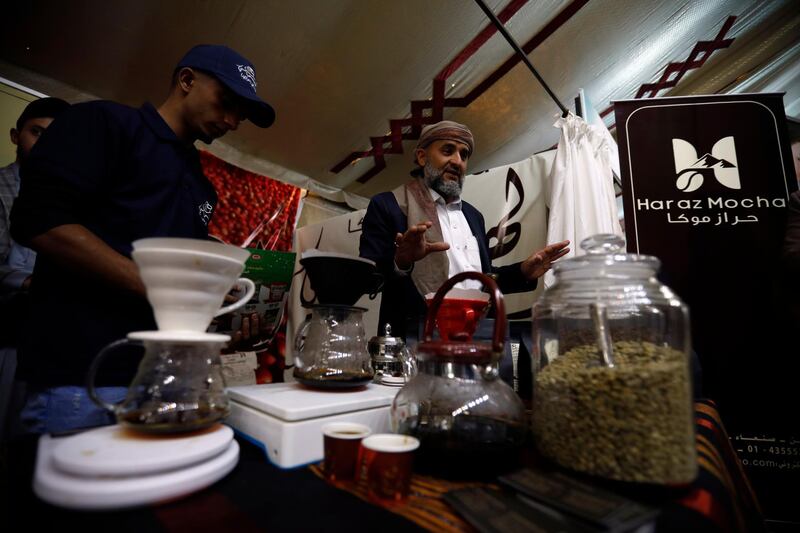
(469, 422)
(612, 394)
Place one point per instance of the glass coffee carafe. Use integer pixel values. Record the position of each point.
(331, 348)
(470, 422)
(612, 394)
(178, 386)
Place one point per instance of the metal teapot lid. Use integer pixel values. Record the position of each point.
(378, 344)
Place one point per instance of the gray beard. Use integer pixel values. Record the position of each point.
(434, 179)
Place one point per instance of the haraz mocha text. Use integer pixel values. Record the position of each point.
(643, 204)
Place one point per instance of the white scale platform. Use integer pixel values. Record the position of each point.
(286, 419)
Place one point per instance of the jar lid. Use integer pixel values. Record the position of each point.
(605, 254)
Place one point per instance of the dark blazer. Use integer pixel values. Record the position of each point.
(401, 301)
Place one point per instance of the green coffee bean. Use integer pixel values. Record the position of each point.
(632, 422)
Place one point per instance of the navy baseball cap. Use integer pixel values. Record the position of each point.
(236, 73)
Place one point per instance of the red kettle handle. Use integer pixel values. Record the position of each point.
(498, 339)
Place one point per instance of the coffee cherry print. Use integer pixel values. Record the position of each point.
(247, 200)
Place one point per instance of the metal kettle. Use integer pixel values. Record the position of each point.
(392, 361)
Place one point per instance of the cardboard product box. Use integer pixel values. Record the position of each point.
(259, 358)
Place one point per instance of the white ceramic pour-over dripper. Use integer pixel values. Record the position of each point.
(187, 280)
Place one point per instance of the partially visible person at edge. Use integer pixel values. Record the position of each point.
(103, 176)
(423, 233)
(16, 261)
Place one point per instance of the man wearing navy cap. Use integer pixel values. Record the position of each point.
(103, 176)
(213, 89)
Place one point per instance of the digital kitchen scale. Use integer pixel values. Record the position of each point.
(286, 419)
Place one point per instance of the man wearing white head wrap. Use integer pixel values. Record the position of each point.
(406, 230)
(436, 179)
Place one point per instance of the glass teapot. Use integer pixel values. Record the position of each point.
(612, 394)
(470, 422)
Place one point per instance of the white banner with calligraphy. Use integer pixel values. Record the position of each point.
(512, 200)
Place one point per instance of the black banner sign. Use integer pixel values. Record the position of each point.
(706, 184)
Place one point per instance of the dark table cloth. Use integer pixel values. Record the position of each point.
(258, 496)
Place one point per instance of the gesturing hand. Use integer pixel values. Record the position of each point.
(412, 245)
(540, 262)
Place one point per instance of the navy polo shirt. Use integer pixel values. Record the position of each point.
(122, 173)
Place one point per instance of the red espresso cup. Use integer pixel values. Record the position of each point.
(342, 442)
(387, 460)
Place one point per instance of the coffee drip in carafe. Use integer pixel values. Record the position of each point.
(331, 345)
(178, 386)
(331, 348)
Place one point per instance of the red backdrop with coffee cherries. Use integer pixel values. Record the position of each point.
(261, 212)
(248, 204)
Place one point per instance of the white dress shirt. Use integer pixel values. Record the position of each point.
(463, 253)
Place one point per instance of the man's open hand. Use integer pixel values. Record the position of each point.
(412, 245)
(540, 262)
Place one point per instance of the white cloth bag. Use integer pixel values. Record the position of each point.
(581, 187)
